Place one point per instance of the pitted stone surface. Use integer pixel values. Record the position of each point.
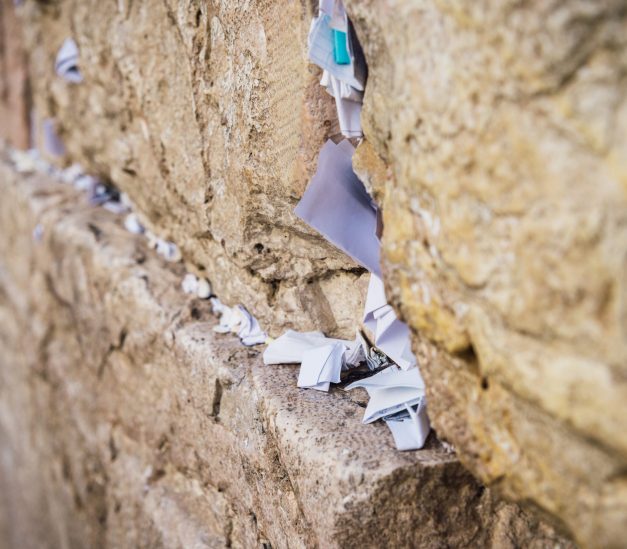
(209, 117)
(126, 421)
(495, 143)
(505, 208)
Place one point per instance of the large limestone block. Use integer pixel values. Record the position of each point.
(504, 128)
(210, 117)
(125, 421)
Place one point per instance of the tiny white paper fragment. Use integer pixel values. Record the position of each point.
(115, 206)
(71, 174)
(66, 64)
(132, 224)
(338, 206)
(38, 232)
(166, 249)
(238, 320)
(203, 289)
(189, 284)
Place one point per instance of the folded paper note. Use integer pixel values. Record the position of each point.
(390, 390)
(321, 52)
(250, 332)
(52, 143)
(322, 359)
(334, 47)
(321, 366)
(291, 346)
(409, 428)
(392, 336)
(239, 321)
(66, 64)
(337, 205)
(347, 103)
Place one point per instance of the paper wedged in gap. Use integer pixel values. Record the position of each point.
(356, 352)
(410, 433)
(392, 335)
(291, 346)
(250, 331)
(347, 103)
(345, 91)
(229, 319)
(335, 10)
(390, 390)
(337, 205)
(66, 64)
(321, 366)
(320, 42)
(51, 141)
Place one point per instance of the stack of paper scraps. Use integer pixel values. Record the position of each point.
(334, 47)
(338, 206)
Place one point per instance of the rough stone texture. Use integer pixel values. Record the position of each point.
(14, 93)
(208, 115)
(126, 422)
(495, 141)
(504, 125)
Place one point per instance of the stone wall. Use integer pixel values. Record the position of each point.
(505, 242)
(126, 421)
(495, 144)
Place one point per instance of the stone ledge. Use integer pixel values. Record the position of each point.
(133, 424)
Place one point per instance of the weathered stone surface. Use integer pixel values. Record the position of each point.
(126, 422)
(495, 141)
(14, 93)
(208, 115)
(504, 125)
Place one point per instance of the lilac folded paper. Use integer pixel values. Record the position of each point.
(52, 143)
(66, 64)
(337, 205)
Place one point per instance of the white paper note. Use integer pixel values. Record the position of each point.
(392, 335)
(390, 390)
(320, 42)
(347, 103)
(250, 331)
(321, 366)
(291, 346)
(411, 431)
